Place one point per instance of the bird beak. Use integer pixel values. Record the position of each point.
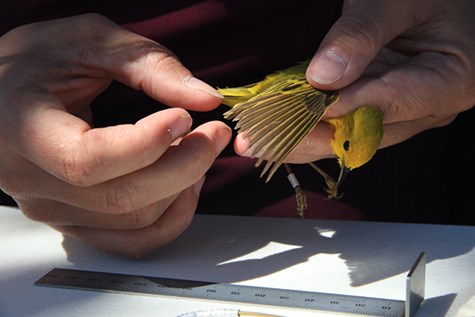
(343, 172)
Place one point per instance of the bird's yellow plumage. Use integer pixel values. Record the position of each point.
(357, 136)
(294, 75)
(278, 112)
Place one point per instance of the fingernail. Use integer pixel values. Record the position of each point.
(199, 185)
(200, 85)
(328, 68)
(180, 126)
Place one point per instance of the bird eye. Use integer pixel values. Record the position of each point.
(346, 145)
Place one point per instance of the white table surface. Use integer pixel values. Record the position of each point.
(346, 257)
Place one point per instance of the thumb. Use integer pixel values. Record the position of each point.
(356, 38)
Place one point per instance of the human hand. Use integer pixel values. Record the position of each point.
(417, 62)
(126, 189)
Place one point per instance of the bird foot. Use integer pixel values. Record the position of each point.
(332, 186)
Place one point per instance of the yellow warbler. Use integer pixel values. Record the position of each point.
(278, 112)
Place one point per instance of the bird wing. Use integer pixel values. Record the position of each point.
(278, 118)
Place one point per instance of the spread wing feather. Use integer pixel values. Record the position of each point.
(278, 118)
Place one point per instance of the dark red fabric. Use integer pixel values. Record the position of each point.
(230, 43)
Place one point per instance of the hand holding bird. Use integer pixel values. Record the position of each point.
(277, 113)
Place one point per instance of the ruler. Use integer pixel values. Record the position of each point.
(204, 290)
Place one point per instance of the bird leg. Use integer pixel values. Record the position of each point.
(332, 185)
(300, 196)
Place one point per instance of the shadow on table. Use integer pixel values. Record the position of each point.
(217, 246)
(370, 257)
(439, 304)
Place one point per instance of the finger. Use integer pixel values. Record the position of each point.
(315, 146)
(139, 242)
(55, 213)
(146, 65)
(68, 148)
(430, 80)
(398, 132)
(178, 168)
(355, 39)
(364, 91)
(96, 47)
(405, 90)
(63, 144)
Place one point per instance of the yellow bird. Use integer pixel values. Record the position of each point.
(278, 112)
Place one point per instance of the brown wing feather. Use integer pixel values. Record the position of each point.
(276, 120)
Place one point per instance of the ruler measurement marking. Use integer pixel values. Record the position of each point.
(324, 302)
(113, 282)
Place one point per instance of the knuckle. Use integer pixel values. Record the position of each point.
(146, 216)
(86, 26)
(77, 171)
(159, 60)
(136, 246)
(34, 212)
(17, 185)
(81, 163)
(35, 215)
(11, 186)
(93, 17)
(183, 221)
(88, 23)
(121, 198)
(356, 31)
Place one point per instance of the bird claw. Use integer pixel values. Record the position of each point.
(332, 189)
(332, 186)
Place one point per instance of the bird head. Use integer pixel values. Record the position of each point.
(357, 138)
